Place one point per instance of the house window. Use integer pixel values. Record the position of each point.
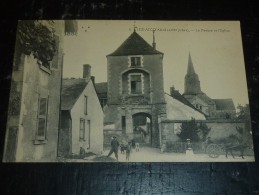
(123, 122)
(135, 61)
(135, 84)
(42, 119)
(103, 101)
(82, 129)
(88, 133)
(85, 105)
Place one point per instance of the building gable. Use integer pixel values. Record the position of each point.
(71, 90)
(134, 45)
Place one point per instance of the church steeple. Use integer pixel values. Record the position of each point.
(190, 68)
(192, 82)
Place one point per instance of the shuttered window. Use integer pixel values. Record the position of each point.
(42, 119)
(82, 129)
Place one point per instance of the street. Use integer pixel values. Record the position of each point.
(147, 154)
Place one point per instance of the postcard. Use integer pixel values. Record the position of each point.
(128, 91)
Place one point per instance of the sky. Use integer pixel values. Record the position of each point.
(215, 48)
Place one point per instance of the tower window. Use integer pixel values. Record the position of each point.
(135, 84)
(135, 61)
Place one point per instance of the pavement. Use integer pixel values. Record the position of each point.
(147, 154)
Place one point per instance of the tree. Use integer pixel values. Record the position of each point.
(204, 130)
(189, 130)
(243, 112)
(37, 38)
(244, 115)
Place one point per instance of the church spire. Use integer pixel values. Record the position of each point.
(190, 68)
(192, 82)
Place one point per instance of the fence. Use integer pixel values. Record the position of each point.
(180, 147)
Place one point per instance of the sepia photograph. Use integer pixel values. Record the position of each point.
(128, 91)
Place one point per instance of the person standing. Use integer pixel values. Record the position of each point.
(114, 147)
(128, 149)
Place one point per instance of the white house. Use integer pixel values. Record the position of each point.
(81, 116)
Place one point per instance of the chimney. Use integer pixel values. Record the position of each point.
(93, 79)
(173, 91)
(86, 71)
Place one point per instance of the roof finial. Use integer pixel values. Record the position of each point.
(154, 41)
(134, 26)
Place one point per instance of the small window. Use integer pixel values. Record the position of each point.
(136, 85)
(82, 129)
(123, 122)
(42, 119)
(103, 101)
(135, 61)
(85, 105)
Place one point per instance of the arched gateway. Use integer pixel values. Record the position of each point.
(142, 128)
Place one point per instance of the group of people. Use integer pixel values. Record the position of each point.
(123, 148)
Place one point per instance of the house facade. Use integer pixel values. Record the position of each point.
(33, 116)
(81, 117)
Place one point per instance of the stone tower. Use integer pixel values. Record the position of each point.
(135, 88)
(192, 82)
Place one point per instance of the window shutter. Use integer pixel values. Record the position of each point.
(42, 119)
(82, 129)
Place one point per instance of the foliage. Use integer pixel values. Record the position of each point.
(194, 131)
(204, 130)
(243, 112)
(189, 130)
(37, 38)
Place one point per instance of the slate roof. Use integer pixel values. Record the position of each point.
(176, 110)
(224, 104)
(71, 90)
(134, 45)
(175, 94)
(101, 87)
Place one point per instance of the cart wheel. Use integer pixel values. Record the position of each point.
(213, 150)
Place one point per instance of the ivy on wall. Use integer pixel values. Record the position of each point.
(37, 38)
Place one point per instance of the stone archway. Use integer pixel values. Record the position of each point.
(142, 128)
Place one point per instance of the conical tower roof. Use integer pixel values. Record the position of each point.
(135, 45)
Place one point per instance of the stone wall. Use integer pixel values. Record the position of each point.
(219, 129)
